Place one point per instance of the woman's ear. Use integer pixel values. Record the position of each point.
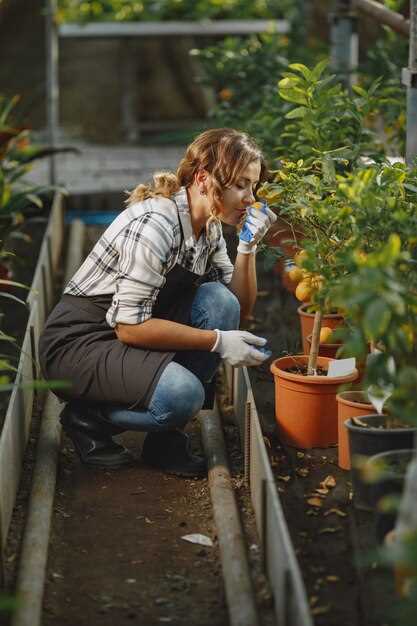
(202, 179)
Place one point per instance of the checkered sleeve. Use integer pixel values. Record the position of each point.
(146, 246)
(221, 266)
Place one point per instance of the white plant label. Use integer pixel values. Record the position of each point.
(341, 367)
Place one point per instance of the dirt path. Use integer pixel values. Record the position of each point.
(116, 552)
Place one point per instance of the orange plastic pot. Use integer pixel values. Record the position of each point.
(349, 404)
(305, 406)
(331, 320)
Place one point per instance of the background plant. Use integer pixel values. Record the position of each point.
(125, 10)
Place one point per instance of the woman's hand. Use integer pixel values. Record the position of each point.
(238, 347)
(258, 220)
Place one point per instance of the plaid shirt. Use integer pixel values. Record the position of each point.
(134, 254)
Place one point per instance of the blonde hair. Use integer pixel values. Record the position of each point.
(223, 152)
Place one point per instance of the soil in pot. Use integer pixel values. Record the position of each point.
(331, 320)
(349, 404)
(305, 406)
(386, 473)
(370, 435)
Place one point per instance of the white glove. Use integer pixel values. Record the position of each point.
(236, 347)
(255, 226)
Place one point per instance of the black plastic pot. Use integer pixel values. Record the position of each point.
(366, 442)
(389, 469)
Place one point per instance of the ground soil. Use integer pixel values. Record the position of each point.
(334, 542)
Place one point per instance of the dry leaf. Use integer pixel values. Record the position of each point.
(320, 610)
(202, 540)
(302, 471)
(313, 600)
(332, 579)
(329, 481)
(329, 529)
(336, 512)
(358, 422)
(300, 455)
(323, 492)
(148, 521)
(315, 502)
(284, 478)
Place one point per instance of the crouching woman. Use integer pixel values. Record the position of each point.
(141, 327)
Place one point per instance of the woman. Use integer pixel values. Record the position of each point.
(144, 322)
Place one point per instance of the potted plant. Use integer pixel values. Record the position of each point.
(350, 404)
(381, 296)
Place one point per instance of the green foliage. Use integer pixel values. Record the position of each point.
(244, 74)
(325, 117)
(385, 59)
(155, 10)
(380, 296)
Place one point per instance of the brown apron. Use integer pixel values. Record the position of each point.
(78, 345)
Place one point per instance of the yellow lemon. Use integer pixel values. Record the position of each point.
(303, 291)
(300, 257)
(295, 274)
(326, 334)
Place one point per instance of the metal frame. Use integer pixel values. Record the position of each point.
(15, 433)
(344, 51)
(280, 562)
(128, 31)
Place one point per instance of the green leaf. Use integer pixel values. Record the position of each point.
(299, 67)
(294, 95)
(360, 91)
(392, 249)
(319, 69)
(12, 297)
(298, 112)
(377, 319)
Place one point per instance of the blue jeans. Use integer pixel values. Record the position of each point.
(179, 393)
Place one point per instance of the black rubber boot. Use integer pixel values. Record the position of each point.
(170, 451)
(92, 435)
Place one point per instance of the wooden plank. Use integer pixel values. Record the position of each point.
(14, 436)
(203, 28)
(16, 428)
(291, 604)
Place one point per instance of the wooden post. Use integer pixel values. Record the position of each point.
(315, 344)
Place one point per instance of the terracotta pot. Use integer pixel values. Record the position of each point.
(305, 406)
(349, 404)
(325, 349)
(332, 320)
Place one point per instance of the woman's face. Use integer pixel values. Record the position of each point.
(240, 195)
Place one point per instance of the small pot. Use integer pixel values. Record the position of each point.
(305, 406)
(331, 320)
(349, 404)
(391, 468)
(366, 442)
